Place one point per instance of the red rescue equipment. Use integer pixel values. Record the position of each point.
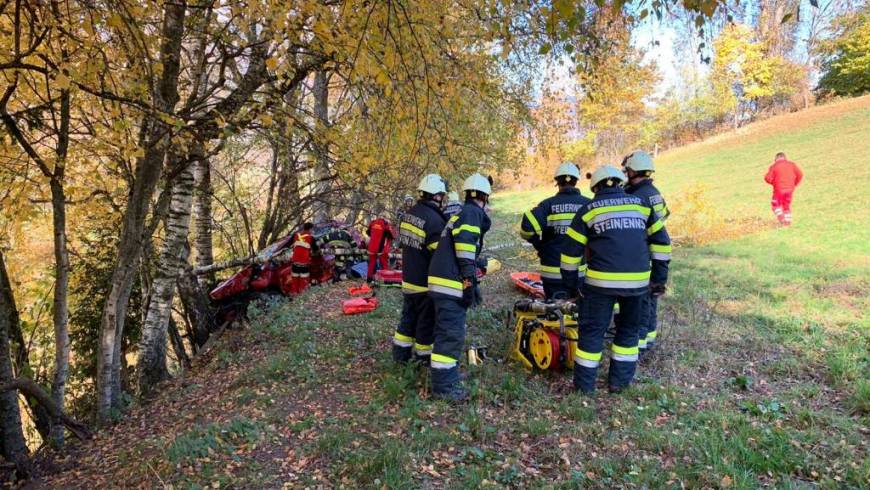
(359, 290)
(529, 282)
(389, 276)
(356, 306)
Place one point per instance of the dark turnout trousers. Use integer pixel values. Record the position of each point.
(449, 343)
(596, 311)
(649, 322)
(555, 289)
(414, 334)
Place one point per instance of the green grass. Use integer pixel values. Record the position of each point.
(760, 378)
(803, 288)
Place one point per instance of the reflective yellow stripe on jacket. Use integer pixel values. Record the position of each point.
(660, 252)
(445, 286)
(615, 209)
(550, 272)
(534, 222)
(469, 228)
(413, 229)
(560, 219)
(577, 236)
(465, 250)
(570, 263)
(617, 280)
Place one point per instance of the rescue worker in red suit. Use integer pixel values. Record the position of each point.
(784, 175)
(300, 268)
(380, 239)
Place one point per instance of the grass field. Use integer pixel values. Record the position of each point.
(760, 379)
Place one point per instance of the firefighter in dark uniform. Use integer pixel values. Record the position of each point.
(639, 167)
(453, 286)
(544, 225)
(620, 235)
(453, 205)
(419, 233)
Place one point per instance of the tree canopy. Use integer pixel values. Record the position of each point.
(143, 142)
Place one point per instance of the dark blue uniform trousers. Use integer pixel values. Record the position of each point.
(649, 322)
(596, 312)
(449, 343)
(554, 289)
(417, 322)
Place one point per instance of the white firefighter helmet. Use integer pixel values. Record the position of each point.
(567, 169)
(477, 183)
(432, 184)
(605, 172)
(639, 161)
(452, 196)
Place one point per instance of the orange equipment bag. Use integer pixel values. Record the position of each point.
(389, 276)
(356, 306)
(359, 290)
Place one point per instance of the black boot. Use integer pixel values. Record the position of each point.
(447, 386)
(584, 378)
(422, 362)
(401, 354)
(621, 375)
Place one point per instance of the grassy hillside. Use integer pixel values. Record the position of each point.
(803, 287)
(760, 378)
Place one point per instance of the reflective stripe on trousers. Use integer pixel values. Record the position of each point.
(402, 340)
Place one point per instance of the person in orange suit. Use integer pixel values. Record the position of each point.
(303, 246)
(380, 240)
(784, 175)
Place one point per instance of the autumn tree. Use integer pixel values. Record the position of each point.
(153, 139)
(615, 90)
(38, 112)
(13, 447)
(846, 56)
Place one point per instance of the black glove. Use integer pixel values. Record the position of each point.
(572, 289)
(468, 296)
(482, 262)
(657, 289)
(478, 298)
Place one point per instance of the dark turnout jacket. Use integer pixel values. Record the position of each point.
(419, 232)
(455, 256)
(648, 191)
(621, 236)
(544, 225)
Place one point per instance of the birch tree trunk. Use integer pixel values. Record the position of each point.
(173, 257)
(61, 271)
(203, 226)
(61, 307)
(148, 170)
(61, 258)
(202, 166)
(197, 306)
(12, 443)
